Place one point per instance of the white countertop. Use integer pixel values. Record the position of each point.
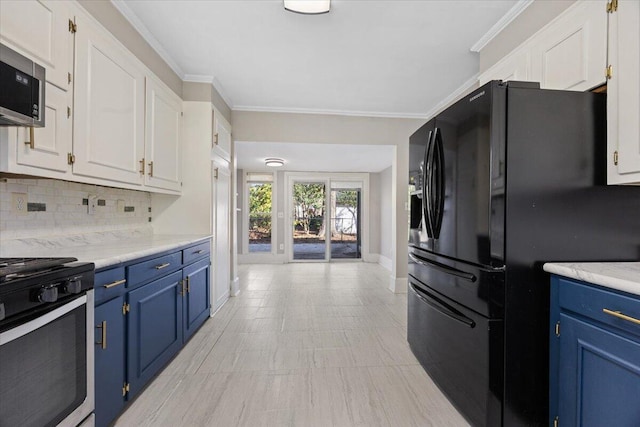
(623, 276)
(103, 249)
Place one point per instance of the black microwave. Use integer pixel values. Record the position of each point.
(22, 90)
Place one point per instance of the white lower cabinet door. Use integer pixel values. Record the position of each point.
(623, 95)
(108, 136)
(48, 147)
(162, 140)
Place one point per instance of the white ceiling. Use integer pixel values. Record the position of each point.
(366, 57)
(377, 58)
(314, 157)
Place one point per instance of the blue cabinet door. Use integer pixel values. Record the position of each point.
(599, 376)
(109, 360)
(155, 328)
(196, 297)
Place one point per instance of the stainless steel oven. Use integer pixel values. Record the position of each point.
(46, 347)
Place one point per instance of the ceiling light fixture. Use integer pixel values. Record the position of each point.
(308, 7)
(273, 162)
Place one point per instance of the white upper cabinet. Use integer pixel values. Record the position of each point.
(108, 135)
(40, 31)
(623, 94)
(51, 144)
(221, 136)
(163, 132)
(569, 53)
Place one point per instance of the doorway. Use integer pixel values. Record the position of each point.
(345, 223)
(325, 217)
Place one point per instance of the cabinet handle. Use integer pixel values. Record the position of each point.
(188, 285)
(161, 266)
(215, 138)
(151, 168)
(116, 283)
(103, 327)
(32, 139)
(619, 315)
(141, 166)
(199, 252)
(181, 291)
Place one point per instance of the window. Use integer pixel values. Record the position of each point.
(260, 196)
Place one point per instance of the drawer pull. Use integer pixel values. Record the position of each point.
(161, 266)
(103, 342)
(116, 283)
(619, 315)
(201, 251)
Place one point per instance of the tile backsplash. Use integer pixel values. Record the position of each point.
(37, 207)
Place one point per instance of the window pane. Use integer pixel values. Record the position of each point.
(260, 216)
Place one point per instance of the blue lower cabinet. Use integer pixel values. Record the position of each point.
(109, 361)
(196, 296)
(595, 356)
(155, 328)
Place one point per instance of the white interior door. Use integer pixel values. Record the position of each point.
(221, 235)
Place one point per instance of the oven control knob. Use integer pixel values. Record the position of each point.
(48, 295)
(73, 286)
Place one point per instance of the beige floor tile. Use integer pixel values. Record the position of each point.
(302, 345)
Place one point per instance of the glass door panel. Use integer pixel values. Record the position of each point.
(309, 242)
(345, 223)
(260, 195)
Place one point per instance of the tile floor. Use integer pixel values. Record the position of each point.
(302, 345)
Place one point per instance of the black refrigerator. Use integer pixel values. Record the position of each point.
(504, 180)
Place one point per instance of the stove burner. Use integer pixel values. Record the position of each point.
(13, 268)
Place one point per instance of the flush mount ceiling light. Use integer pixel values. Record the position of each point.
(273, 162)
(308, 7)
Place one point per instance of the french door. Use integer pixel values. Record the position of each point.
(324, 219)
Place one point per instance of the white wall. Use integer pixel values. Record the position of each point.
(191, 212)
(374, 213)
(385, 212)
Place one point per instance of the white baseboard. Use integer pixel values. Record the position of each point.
(214, 310)
(398, 285)
(235, 287)
(262, 259)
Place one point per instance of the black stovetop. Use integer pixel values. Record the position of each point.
(17, 268)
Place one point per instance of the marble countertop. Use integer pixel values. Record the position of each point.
(623, 276)
(103, 249)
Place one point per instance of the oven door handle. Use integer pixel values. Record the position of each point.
(26, 328)
(443, 308)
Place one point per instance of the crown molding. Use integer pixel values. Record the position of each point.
(201, 78)
(464, 88)
(512, 14)
(133, 19)
(328, 112)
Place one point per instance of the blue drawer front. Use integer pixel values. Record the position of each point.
(196, 252)
(590, 301)
(109, 284)
(143, 272)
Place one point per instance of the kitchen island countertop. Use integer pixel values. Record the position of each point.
(623, 276)
(103, 249)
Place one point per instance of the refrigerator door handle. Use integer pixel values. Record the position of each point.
(442, 307)
(426, 185)
(438, 158)
(444, 268)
